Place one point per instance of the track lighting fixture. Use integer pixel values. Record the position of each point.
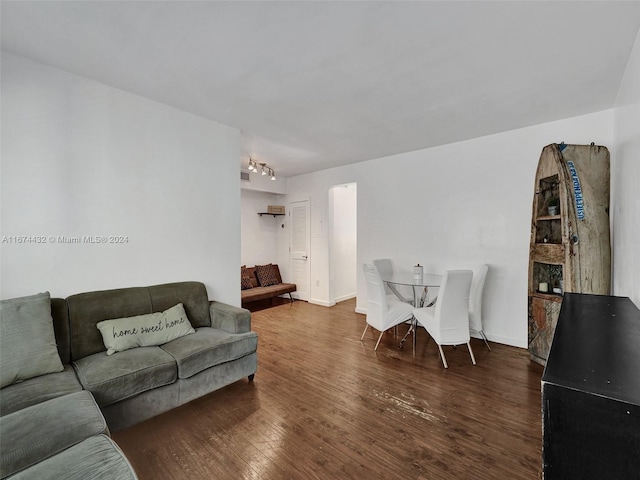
(264, 168)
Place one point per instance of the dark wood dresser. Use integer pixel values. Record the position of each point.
(591, 391)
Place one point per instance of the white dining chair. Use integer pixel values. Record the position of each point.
(475, 303)
(382, 314)
(447, 322)
(385, 268)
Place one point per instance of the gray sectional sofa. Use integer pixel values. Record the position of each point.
(59, 419)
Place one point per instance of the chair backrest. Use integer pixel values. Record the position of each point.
(475, 300)
(385, 268)
(452, 307)
(376, 297)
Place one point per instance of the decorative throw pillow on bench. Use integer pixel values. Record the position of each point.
(245, 278)
(267, 275)
(145, 330)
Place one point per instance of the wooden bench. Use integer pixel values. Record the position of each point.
(260, 292)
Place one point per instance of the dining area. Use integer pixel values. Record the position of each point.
(447, 306)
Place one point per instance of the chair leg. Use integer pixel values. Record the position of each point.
(484, 337)
(365, 331)
(411, 329)
(473, 359)
(444, 360)
(415, 330)
(378, 342)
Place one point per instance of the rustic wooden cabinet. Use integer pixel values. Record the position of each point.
(570, 247)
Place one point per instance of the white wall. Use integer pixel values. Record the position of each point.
(80, 158)
(263, 183)
(343, 233)
(625, 182)
(458, 205)
(259, 233)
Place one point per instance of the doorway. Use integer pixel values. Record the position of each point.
(343, 213)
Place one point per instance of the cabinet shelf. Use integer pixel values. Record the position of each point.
(548, 217)
(551, 297)
(548, 229)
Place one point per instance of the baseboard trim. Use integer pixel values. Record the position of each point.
(361, 310)
(345, 297)
(503, 340)
(322, 303)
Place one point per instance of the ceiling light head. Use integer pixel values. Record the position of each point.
(264, 168)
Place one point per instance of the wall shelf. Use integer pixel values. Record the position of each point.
(274, 214)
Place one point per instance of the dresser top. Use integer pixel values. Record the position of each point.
(596, 347)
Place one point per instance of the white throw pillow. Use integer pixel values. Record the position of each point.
(145, 330)
(27, 342)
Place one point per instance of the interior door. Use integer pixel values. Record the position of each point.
(299, 248)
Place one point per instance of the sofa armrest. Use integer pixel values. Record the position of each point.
(229, 318)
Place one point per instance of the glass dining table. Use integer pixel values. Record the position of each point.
(420, 286)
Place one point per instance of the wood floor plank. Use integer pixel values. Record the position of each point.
(324, 405)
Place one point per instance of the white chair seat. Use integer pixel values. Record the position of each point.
(399, 312)
(447, 322)
(383, 313)
(442, 335)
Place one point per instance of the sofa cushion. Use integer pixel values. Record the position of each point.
(267, 275)
(27, 342)
(145, 330)
(118, 377)
(245, 278)
(261, 293)
(209, 347)
(97, 458)
(60, 314)
(38, 389)
(193, 295)
(251, 271)
(38, 432)
(87, 309)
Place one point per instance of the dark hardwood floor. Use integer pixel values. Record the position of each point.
(323, 405)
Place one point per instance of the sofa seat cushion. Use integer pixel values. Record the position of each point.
(95, 458)
(209, 347)
(38, 389)
(262, 293)
(112, 378)
(38, 432)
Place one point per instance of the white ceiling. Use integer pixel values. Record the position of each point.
(313, 85)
